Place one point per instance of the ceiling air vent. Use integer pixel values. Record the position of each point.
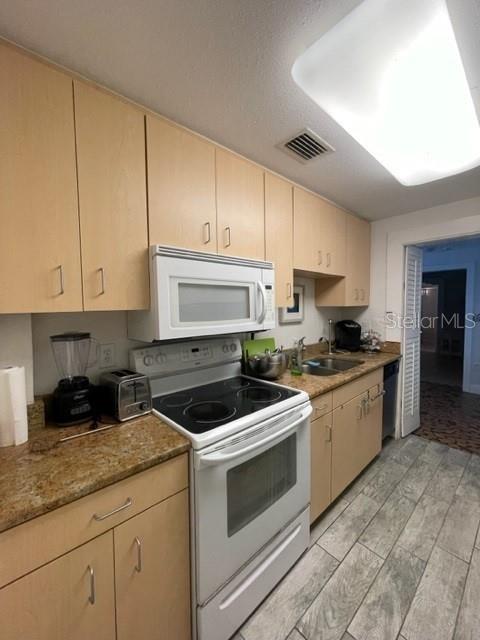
(306, 146)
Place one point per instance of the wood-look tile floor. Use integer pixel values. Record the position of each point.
(396, 556)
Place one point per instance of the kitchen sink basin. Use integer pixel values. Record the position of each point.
(328, 366)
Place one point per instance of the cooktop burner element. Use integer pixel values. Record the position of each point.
(209, 412)
(201, 409)
(177, 400)
(260, 394)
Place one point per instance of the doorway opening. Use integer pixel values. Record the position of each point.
(442, 345)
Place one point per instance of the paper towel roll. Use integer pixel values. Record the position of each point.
(13, 406)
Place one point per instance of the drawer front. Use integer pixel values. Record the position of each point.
(45, 538)
(360, 385)
(321, 405)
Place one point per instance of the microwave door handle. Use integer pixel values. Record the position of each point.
(213, 459)
(263, 296)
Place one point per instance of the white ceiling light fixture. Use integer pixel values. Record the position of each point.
(390, 73)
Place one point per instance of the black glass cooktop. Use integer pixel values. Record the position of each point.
(201, 409)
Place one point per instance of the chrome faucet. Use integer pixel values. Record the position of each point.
(331, 338)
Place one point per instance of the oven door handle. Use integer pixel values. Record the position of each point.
(212, 459)
(263, 296)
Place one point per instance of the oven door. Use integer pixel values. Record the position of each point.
(246, 490)
(198, 298)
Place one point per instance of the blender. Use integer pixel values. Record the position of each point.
(72, 402)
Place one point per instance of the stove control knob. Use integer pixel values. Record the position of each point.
(233, 347)
(225, 348)
(160, 358)
(148, 361)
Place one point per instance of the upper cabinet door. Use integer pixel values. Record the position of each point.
(240, 207)
(181, 187)
(308, 253)
(112, 198)
(279, 235)
(333, 222)
(39, 237)
(358, 262)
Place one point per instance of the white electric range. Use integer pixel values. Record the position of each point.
(250, 474)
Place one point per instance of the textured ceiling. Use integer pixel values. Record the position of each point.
(222, 67)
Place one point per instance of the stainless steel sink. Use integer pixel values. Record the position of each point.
(328, 366)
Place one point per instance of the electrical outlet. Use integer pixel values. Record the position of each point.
(107, 356)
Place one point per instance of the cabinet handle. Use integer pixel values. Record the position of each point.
(138, 566)
(128, 503)
(329, 259)
(228, 235)
(360, 410)
(62, 283)
(206, 227)
(320, 258)
(289, 289)
(102, 281)
(328, 430)
(379, 395)
(91, 597)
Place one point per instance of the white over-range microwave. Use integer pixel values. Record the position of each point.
(199, 294)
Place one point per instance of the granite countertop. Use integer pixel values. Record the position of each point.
(318, 385)
(44, 474)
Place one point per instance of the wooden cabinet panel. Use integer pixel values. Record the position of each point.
(56, 601)
(321, 405)
(320, 464)
(319, 235)
(112, 200)
(39, 238)
(42, 539)
(152, 573)
(181, 187)
(356, 434)
(240, 207)
(346, 443)
(352, 389)
(354, 289)
(279, 236)
(306, 215)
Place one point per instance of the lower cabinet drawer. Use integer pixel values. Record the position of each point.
(71, 598)
(38, 541)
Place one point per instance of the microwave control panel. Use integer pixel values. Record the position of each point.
(163, 359)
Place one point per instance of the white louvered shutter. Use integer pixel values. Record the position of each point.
(411, 340)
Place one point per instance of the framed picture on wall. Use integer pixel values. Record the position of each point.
(295, 313)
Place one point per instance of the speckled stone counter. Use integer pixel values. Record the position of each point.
(44, 474)
(317, 385)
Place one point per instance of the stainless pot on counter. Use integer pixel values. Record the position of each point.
(268, 365)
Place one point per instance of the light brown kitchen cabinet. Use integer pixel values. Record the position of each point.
(112, 200)
(354, 289)
(356, 436)
(319, 235)
(39, 237)
(152, 573)
(70, 598)
(320, 464)
(240, 207)
(279, 235)
(181, 187)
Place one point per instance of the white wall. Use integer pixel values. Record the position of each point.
(388, 240)
(315, 324)
(16, 346)
(107, 327)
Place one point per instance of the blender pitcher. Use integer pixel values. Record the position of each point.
(72, 397)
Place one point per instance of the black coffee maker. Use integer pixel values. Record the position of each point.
(347, 335)
(72, 401)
